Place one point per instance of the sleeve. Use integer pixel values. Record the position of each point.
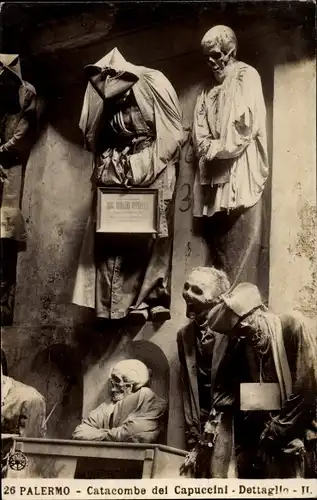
(32, 418)
(18, 146)
(192, 434)
(246, 109)
(142, 424)
(168, 130)
(134, 429)
(202, 137)
(243, 115)
(92, 427)
(290, 423)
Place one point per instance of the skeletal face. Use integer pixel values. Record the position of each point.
(127, 376)
(217, 60)
(219, 46)
(200, 294)
(119, 386)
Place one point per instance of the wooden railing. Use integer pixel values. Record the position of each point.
(58, 457)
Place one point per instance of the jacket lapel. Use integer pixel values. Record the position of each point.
(190, 354)
(220, 346)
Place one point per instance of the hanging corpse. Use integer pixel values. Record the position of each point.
(131, 121)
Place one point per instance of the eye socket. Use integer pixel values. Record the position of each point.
(196, 290)
(186, 286)
(115, 379)
(215, 54)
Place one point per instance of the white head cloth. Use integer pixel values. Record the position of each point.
(134, 371)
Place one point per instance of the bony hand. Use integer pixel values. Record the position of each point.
(213, 150)
(209, 428)
(264, 434)
(189, 465)
(295, 447)
(267, 443)
(268, 436)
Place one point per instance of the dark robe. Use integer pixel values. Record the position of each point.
(282, 351)
(297, 417)
(227, 362)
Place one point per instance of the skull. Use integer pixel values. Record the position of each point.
(127, 376)
(219, 46)
(203, 289)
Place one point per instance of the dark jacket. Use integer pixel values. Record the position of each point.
(299, 409)
(227, 372)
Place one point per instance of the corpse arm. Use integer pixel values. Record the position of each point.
(32, 422)
(136, 425)
(92, 427)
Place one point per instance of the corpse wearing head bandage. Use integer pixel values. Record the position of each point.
(281, 436)
(135, 413)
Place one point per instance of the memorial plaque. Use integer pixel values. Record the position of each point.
(132, 210)
(260, 396)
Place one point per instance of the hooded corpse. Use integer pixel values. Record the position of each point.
(131, 121)
(277, 441)
(18, 127)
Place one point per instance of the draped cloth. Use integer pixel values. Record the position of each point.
(23, 412)
(280, 357)
(277, 438)
(138, 418)
(236, 243)
(17, 133)
(226, 362)
(294, 428)
(151, 165)
(159, 107)
(229, 134)
(18, 127)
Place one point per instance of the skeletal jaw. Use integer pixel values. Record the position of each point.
(119, 387)
(218, 61)
(199, 294)
(127, 376)
(219, 46)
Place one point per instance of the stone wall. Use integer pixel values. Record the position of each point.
(56, 204)
(293, 282)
